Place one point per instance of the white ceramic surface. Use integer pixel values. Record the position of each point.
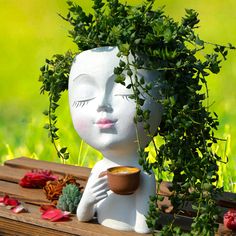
(102, 114)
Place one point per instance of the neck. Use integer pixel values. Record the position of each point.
(121, 159)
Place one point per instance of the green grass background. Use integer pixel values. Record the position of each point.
(31, 30)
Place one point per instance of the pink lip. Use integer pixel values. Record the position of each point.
(105, 123)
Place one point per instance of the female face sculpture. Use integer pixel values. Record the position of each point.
(101, 109)
(103, 115)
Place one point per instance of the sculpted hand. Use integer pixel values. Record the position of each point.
(95, 191)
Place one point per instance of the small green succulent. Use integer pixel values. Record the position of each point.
(70, 198)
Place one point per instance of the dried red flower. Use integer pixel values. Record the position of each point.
(7, 201)
(36, 178)
(230, 219)
(50, 212)
(12, 203)
(53, 189)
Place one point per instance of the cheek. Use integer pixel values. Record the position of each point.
(126, 120)
(81, 126)
(80, 121)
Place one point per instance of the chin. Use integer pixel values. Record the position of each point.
(116, 148)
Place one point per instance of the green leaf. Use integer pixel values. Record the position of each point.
(45, 112)
(199, 42)
(46, 126)
(124, 49)
(63, 150)
(120, 79)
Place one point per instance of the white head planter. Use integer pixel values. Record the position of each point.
(103, 115)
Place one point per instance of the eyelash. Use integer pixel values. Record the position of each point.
(85, 102)
(126, 97)
(81, 103)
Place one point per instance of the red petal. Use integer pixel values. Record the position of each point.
(49, 214)
(62, 216)
(5, 198)
(11, 202)
(55, 215)
(230, 219)
(1, 199)
(36, 179)
(19, 209)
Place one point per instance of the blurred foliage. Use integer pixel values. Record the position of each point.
(32, 31)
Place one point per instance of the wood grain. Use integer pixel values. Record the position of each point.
(74, 227)
(16, 228)
(28, 163)
(35, 196)
(25, 224)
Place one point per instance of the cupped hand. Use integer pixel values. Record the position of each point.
(97, 190)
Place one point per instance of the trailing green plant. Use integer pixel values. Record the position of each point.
(70, 198)
(187, 128)
(54, 76)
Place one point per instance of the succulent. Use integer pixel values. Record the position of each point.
(70, 198)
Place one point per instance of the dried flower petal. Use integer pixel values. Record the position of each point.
(36, 179)
(65, 216)
(55, 215)
(7, 201)
(53, 189)
(19, 208)
(230, 219)
(12, 204)
(2, 200)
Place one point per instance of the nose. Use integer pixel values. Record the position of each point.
(104, 101)
(104, 107)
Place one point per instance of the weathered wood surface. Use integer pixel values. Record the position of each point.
(30, 223)
(27, 163)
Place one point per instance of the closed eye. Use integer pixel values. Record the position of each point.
(124, 96)
(81, 103)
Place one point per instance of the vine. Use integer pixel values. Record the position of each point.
(187, 128)
(54, 76)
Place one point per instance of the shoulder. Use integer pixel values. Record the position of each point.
(148, 182)
(148, 177)
(99, 167)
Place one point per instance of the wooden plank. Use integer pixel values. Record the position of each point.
(10, 174)
(226, 199)
(32, 221)
(15, 228)
(185, 223)
(35, 196)
(74, 227)
(13, 175)
(223, 231)
(81, 173)
(16, 168)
